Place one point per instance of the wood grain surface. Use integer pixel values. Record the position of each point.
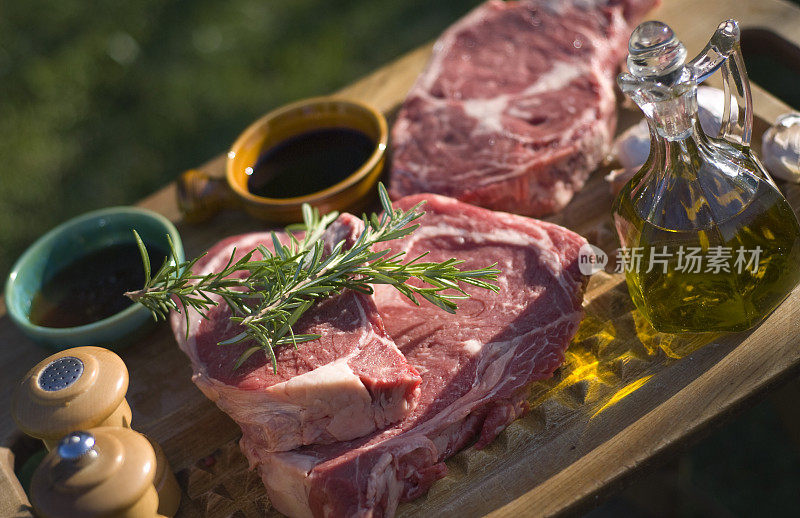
(625, 396)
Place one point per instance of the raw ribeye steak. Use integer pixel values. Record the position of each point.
(348, 383)
(516, 105)
(476, 365)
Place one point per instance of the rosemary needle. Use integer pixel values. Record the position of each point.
(268, 296)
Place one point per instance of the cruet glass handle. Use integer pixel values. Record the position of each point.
(723, 51)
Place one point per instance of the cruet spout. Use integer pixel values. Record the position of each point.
(660, 79)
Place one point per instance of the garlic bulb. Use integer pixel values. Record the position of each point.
(780, 148)
(632, 146)
(710, 107)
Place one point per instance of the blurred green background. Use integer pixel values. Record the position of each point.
(103, 102)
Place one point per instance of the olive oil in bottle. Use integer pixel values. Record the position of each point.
(708, 241)
(721, 277)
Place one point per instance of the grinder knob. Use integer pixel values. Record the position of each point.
(107, 471)
(71, 390)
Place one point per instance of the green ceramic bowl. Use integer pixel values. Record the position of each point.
(70, 242)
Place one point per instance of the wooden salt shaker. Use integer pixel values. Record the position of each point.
(74, 389)
(106, 471)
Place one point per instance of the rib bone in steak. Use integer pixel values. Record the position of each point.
(475, 365)
(344, 385)
(516, 105)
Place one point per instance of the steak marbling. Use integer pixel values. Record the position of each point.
(476, 365)
(350, 382)
(516, 105)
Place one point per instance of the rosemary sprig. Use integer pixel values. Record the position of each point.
(268, 296)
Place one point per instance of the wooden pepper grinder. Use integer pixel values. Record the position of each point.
(81, 389)
(106, 471)
(74, 389)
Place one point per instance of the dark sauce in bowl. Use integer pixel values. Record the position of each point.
(92, 288)
(309, 162)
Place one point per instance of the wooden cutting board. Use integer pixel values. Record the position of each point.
(625, 397)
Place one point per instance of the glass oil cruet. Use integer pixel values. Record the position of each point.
(708, 242)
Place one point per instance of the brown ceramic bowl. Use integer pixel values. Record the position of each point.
(354, 193)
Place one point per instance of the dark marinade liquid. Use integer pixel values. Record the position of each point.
(92, 288)
(309, 162)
